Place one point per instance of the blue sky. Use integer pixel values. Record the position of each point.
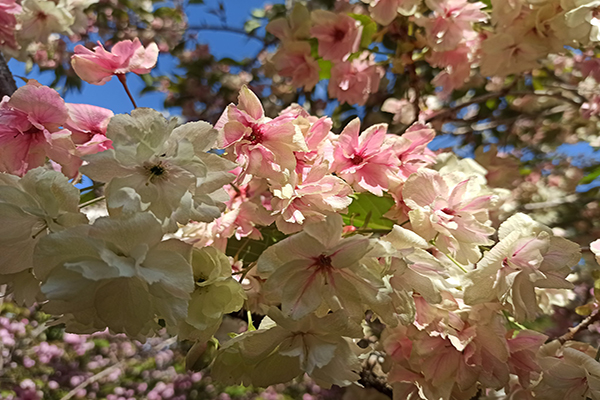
(222, 44)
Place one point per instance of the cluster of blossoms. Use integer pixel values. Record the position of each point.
(456, 36)
(367, 237)
(353, 75)
(436, 280)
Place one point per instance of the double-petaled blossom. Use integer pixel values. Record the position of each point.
(41, 201)
(364, 160)
(294, 60)
(451, 22)
(527, 256)
(569, 372)
(296, 27)
(283, 348)
(264, 147)
(317, 270)
(8, 23)
(385, 11)
(448, 351)
(411, 151)
(88, 125)
(117, 273)
(354, 81)
(40, 18)
(453, 212)
(32, 130)
(338, 34)
(315, 194)
(98, 66)
(169, 167)
(583, 19)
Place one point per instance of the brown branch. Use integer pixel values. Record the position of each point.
(7, 82)
(590, 319)
(369, 380)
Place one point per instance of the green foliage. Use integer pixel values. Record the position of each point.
(367, 210)
(248, 249)
(369, 29)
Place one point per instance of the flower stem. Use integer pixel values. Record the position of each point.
(123, 80)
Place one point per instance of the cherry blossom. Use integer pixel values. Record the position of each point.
(453, 214)
(316, 269)
(365, 161)
(354, 81)
(385, 11)
(98, 66)
(8, 21)
(294, 60)
(256, 141)
(338, 34)
(31, 132)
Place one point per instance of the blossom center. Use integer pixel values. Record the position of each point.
(338, 35)
(155, 171)
(256, 136)
(323, 262)
(357, 159)
(448, 211)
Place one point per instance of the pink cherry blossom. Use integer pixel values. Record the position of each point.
(30, 131)
(319, 143)
(595, 248)
(385, 11)
(364, 161)
(353, 82)
(8, 22)
(98, 66)
(264, 147)
(88, 124)
(454, 213)
(338, 34)
(451, 22)
(411, 150)
(315, 194)
(293, 60)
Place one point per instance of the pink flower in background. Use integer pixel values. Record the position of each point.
(338, 34)
(364, 161)
(30, 131)
(98, 66)
(451, 22)
(353, 82)
(8, 22)
(88, 124)
(385, 11)
(293, 60)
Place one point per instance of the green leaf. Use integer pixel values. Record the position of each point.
(369, 29)
(592, 176)
(368, 208)
(248, 249)
(252, 25)
(258, 13)
(324, 69)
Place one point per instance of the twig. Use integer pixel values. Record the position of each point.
(369, 380)
(93, 201)
(593, 317)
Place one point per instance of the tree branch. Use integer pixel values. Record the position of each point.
(7, 82)
(593, 317)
